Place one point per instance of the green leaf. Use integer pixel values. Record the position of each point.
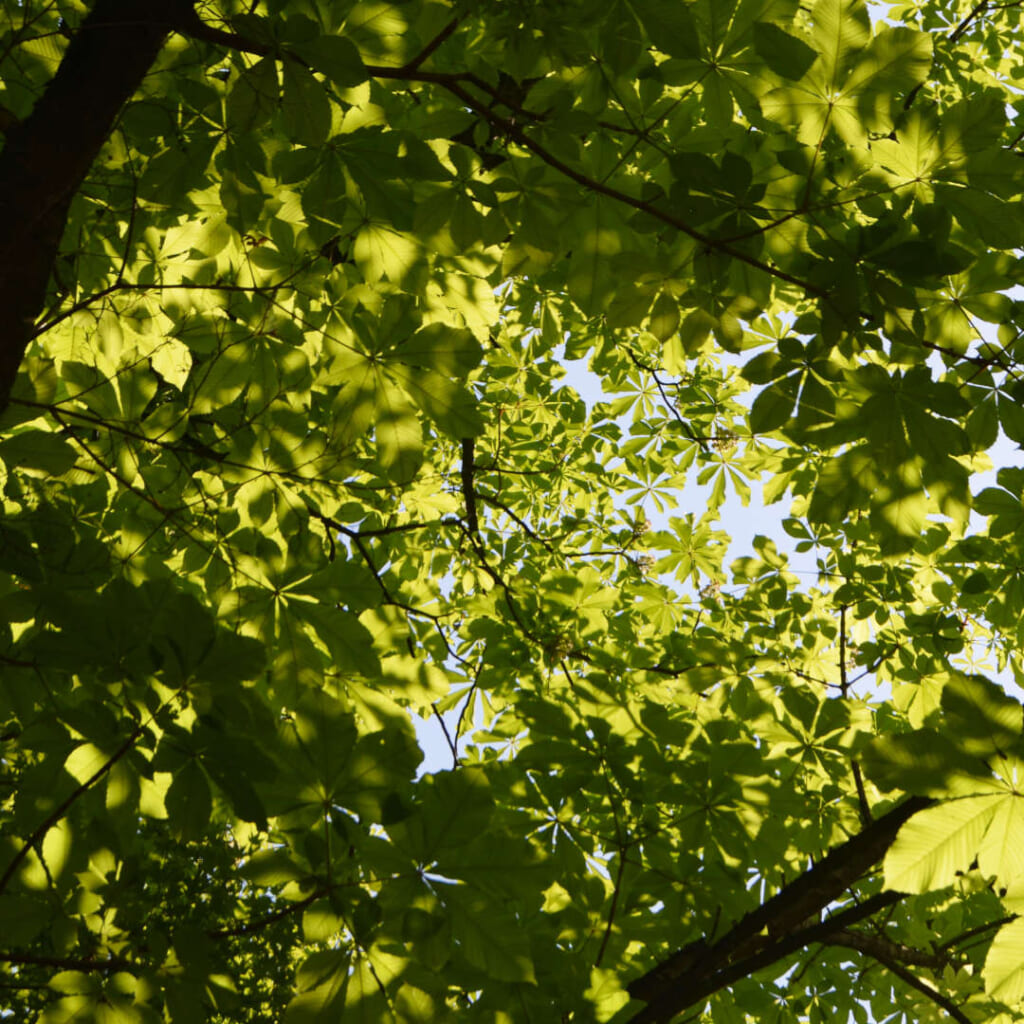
(22, 918)
(324, 976)
(399, 435)
(999, 225)
(304, 104)
(664, 317)
(926, 762)
(774, 405)
(984, 719)
(254, 96)
(488, 937)
(1001, 853)
(290, 715)
(455, 809)
(1004, 964)
(38, 450)
(382, 252)
(787, 55)
(669, 26)
(188, 801)
(449, 406)
(271, 867)
(447, 350)
(938, 843)
(335, 58)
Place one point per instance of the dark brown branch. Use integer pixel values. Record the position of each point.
(468, 494)
(72, 963)
(844, 688)
(204, 32)
(263, 922)
(613, 908)
(454, 83)
(521, 523)
(468, 699)
(512, 131)
(772, 953)
(678, 983)
(976, 12)
(47, 156)
(447, 735)
(862, 798)
(893, 967)
(884, 950)
(981, 929)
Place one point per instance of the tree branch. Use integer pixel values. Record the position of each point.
(263, 922)
(609, 924)
(48, 154)
(71, 963)
(976, 12)
(434, 43)
(772, 953)
(468, 494)
(893, 967)
(767, 933)
(883, 949)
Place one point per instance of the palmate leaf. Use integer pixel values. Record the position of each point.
(323, 976)
(382, 252)
(1001, 853)
(254, 96)
(787, 55)
(853, 86)
(489, 938)
(999, 225)
(840, 30)
(669, 26)
(304, 105)
(439, 347)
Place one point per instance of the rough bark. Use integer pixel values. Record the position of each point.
(47, 156)
(766, 934)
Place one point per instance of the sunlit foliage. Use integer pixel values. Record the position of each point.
(295, 482)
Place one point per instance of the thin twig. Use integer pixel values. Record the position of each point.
(448, 739)
(977, 11)
(614, 906)
(925, 989)
(61, 809)
(434, 43)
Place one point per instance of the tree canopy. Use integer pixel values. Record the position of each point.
(290, 462)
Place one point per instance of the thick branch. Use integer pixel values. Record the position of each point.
(468, 494)
(712, 980)
(767, 934)
(47, 156)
